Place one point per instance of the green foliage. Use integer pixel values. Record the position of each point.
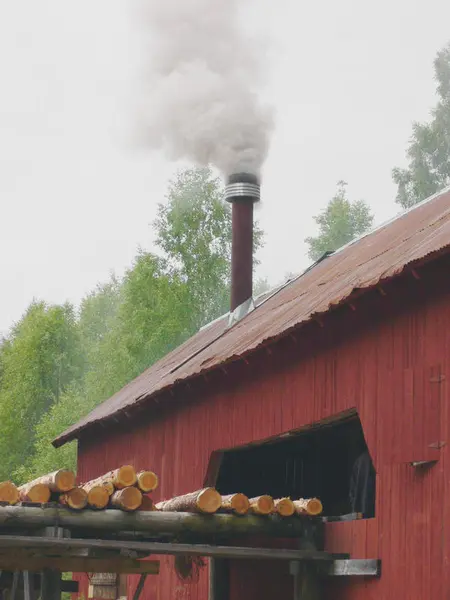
(40, 359)
(60, 416)
(339, 223)
(56, 365)
(428, 152)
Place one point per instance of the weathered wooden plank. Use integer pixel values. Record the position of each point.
(81, 565)
(168, 548)
(353, 568)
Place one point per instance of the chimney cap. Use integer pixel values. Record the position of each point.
(242, 186)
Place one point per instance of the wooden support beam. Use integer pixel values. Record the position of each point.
(55, 545)
(353, 568)
(156, 523)
(75, 564)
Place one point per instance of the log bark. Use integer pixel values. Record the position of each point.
(76, 499)
(284, 507)
(108, 485)
(58, 481)
(237, 503)
(151, 523)
(121, 478)
(9, 492)
(308, 506)
(97, 496)
(147, 481)
(262, 505)
(35, 492)
(206, 501)
(147, 503)
(128, 499)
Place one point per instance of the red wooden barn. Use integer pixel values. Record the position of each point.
(354, 351)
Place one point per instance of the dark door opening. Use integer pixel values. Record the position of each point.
(330, 462)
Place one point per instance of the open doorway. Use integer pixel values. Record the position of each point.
(329, 461)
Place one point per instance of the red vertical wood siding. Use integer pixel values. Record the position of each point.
(393, 372)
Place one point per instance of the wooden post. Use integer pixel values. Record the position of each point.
(219, 579)
(26, 586)
(307, 583)
(51, 578)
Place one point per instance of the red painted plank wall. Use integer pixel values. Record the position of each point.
(392, 370)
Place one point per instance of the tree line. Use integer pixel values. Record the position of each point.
(58, 361)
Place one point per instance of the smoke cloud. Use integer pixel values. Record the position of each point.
(201, 98)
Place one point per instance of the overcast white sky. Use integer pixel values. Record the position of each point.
(76, 199)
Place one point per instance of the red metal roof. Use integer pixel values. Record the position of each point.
(381, 254)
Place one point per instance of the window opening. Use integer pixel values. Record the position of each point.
(331, 462)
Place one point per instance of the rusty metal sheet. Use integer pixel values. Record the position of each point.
(362, 264)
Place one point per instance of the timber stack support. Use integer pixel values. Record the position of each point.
(33, 556)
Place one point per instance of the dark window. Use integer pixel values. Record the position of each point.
(330, 462)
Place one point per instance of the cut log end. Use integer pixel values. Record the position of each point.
(206, 501)
(64, 480)
(285, 507)
(124, 477)
(76, 499)
(98, 497)
(9, 493)
(262, 505)
(209, 501)
(128, 499)
(147, 481)
(237, 503)
(39, 493)
(308, 506)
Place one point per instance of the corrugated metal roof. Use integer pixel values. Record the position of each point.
(379, 255)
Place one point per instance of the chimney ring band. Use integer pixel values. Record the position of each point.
(242, 189)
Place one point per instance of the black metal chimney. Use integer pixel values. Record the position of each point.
(242, 190)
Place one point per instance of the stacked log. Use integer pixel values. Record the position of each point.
(76, 499)
(129, 499)
(262, 505)
(120, 478)
(128, 490)
(108, 485)
(236, 503)
(9, 493)
(61, 481)
(206, 501)
(308, 506)
(35, 492)
(284, 507)
(97, 496)
(147, 481)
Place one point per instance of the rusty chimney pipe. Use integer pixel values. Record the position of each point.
(242, 190)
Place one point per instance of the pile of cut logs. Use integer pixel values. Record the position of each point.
(209, 501)
(123, 488)
(128, 490)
